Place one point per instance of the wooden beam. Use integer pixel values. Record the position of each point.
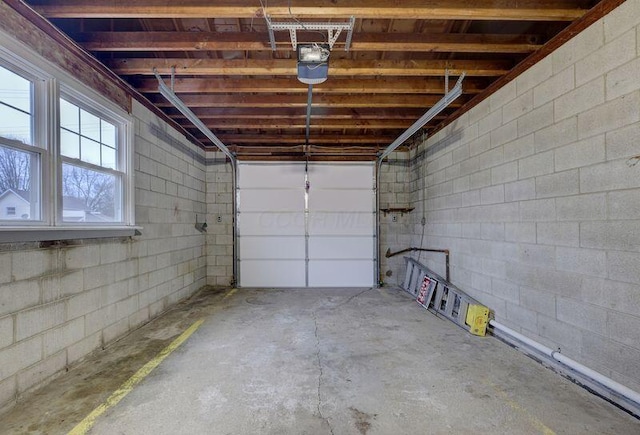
(286, 123)
(385, 85)
(524, 10)
(205, 113)
(276, 101)
(288, 67)
(222, 41)
(282, 139)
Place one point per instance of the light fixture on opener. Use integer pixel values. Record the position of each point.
(313, 63)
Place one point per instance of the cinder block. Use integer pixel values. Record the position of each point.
(460, 153)
(518, 107)
(520, 190)
(504, 173)
(503, 96)
(565, 336)
(506, 290)
(561, 83)
(580, 99)
(539, 73)
(623, 143)
(582, 153)
(112, 332)
(539, 301)
(623, 80)
(461, 184)
(610, 116)
(113, 252)
(8, 391)
(5, 267)
(42, 371)
(523, 232)
(83, 303)
(6, 332)
(535, 120)
(537, 255)
(31, 264)
(623, 266)
(611, 354)
(583, 261)
(623, 18)
(558, 134)
(20, 356)
(613, 54)
(590, 39)
(624, 204)
(558, 233)
(613, 175)
(480, 145)
(99, 276)
(536, 165)
(611, 235)
(582, 207)
(519, 148)
(480, 179)
(582, 315)
(492, 195)
(82, 256)
(559, 184)
(63, 336)
(504, 134)
(522, 317)
(490, 122)
(18, 296)
(624, 329)
(538, 210)
(39, 320)
(492, 231)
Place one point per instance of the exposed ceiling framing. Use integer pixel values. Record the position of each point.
(248, 94)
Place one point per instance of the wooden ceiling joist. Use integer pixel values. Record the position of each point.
(296, 113)
(524, 10)
(288, 67)
(296, 139)
(229, 41)
(276, 101)
(283, 124)
(386, 85)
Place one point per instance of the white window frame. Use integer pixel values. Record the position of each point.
(50, 83)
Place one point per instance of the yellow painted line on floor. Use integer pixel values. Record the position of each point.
(544, 429)
(86, 424)
(230, 293)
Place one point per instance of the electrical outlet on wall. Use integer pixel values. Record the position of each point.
(394, 218)
(219, 219)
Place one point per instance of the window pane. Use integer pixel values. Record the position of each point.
(90, 151)
(19, 199)
(15, 90)
(69, 116)
(108, 134)
(15, 125)
(89, 125)
(69, 144)
(89, 196)
(108, 157)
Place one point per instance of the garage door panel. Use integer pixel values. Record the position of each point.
(272, 200)
(271, 224)
(341, 273)
(353, 176)
(334, 224)
(271, 248)
(341, 200)
(266, 175)
(322, 248)
(272, 273)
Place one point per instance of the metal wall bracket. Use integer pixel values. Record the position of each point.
(333, 31)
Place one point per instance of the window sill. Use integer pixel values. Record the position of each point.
(47, 234)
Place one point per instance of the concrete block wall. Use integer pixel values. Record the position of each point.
(536, 191)
(220, 220)
(394, 231)
(59, 303)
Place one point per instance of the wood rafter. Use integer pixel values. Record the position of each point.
(525, 10)
(386, 85)
(287, 67)
(394, 42)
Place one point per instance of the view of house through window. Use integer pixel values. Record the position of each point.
(18, 185)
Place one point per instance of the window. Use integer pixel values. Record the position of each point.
(65, 154)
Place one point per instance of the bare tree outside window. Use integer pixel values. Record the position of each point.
(95, 190)
(15, 170)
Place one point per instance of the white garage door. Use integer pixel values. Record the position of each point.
(290, 236)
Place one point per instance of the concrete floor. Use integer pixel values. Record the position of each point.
(316, 361)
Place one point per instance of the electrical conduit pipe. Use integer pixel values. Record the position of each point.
(586, 371)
